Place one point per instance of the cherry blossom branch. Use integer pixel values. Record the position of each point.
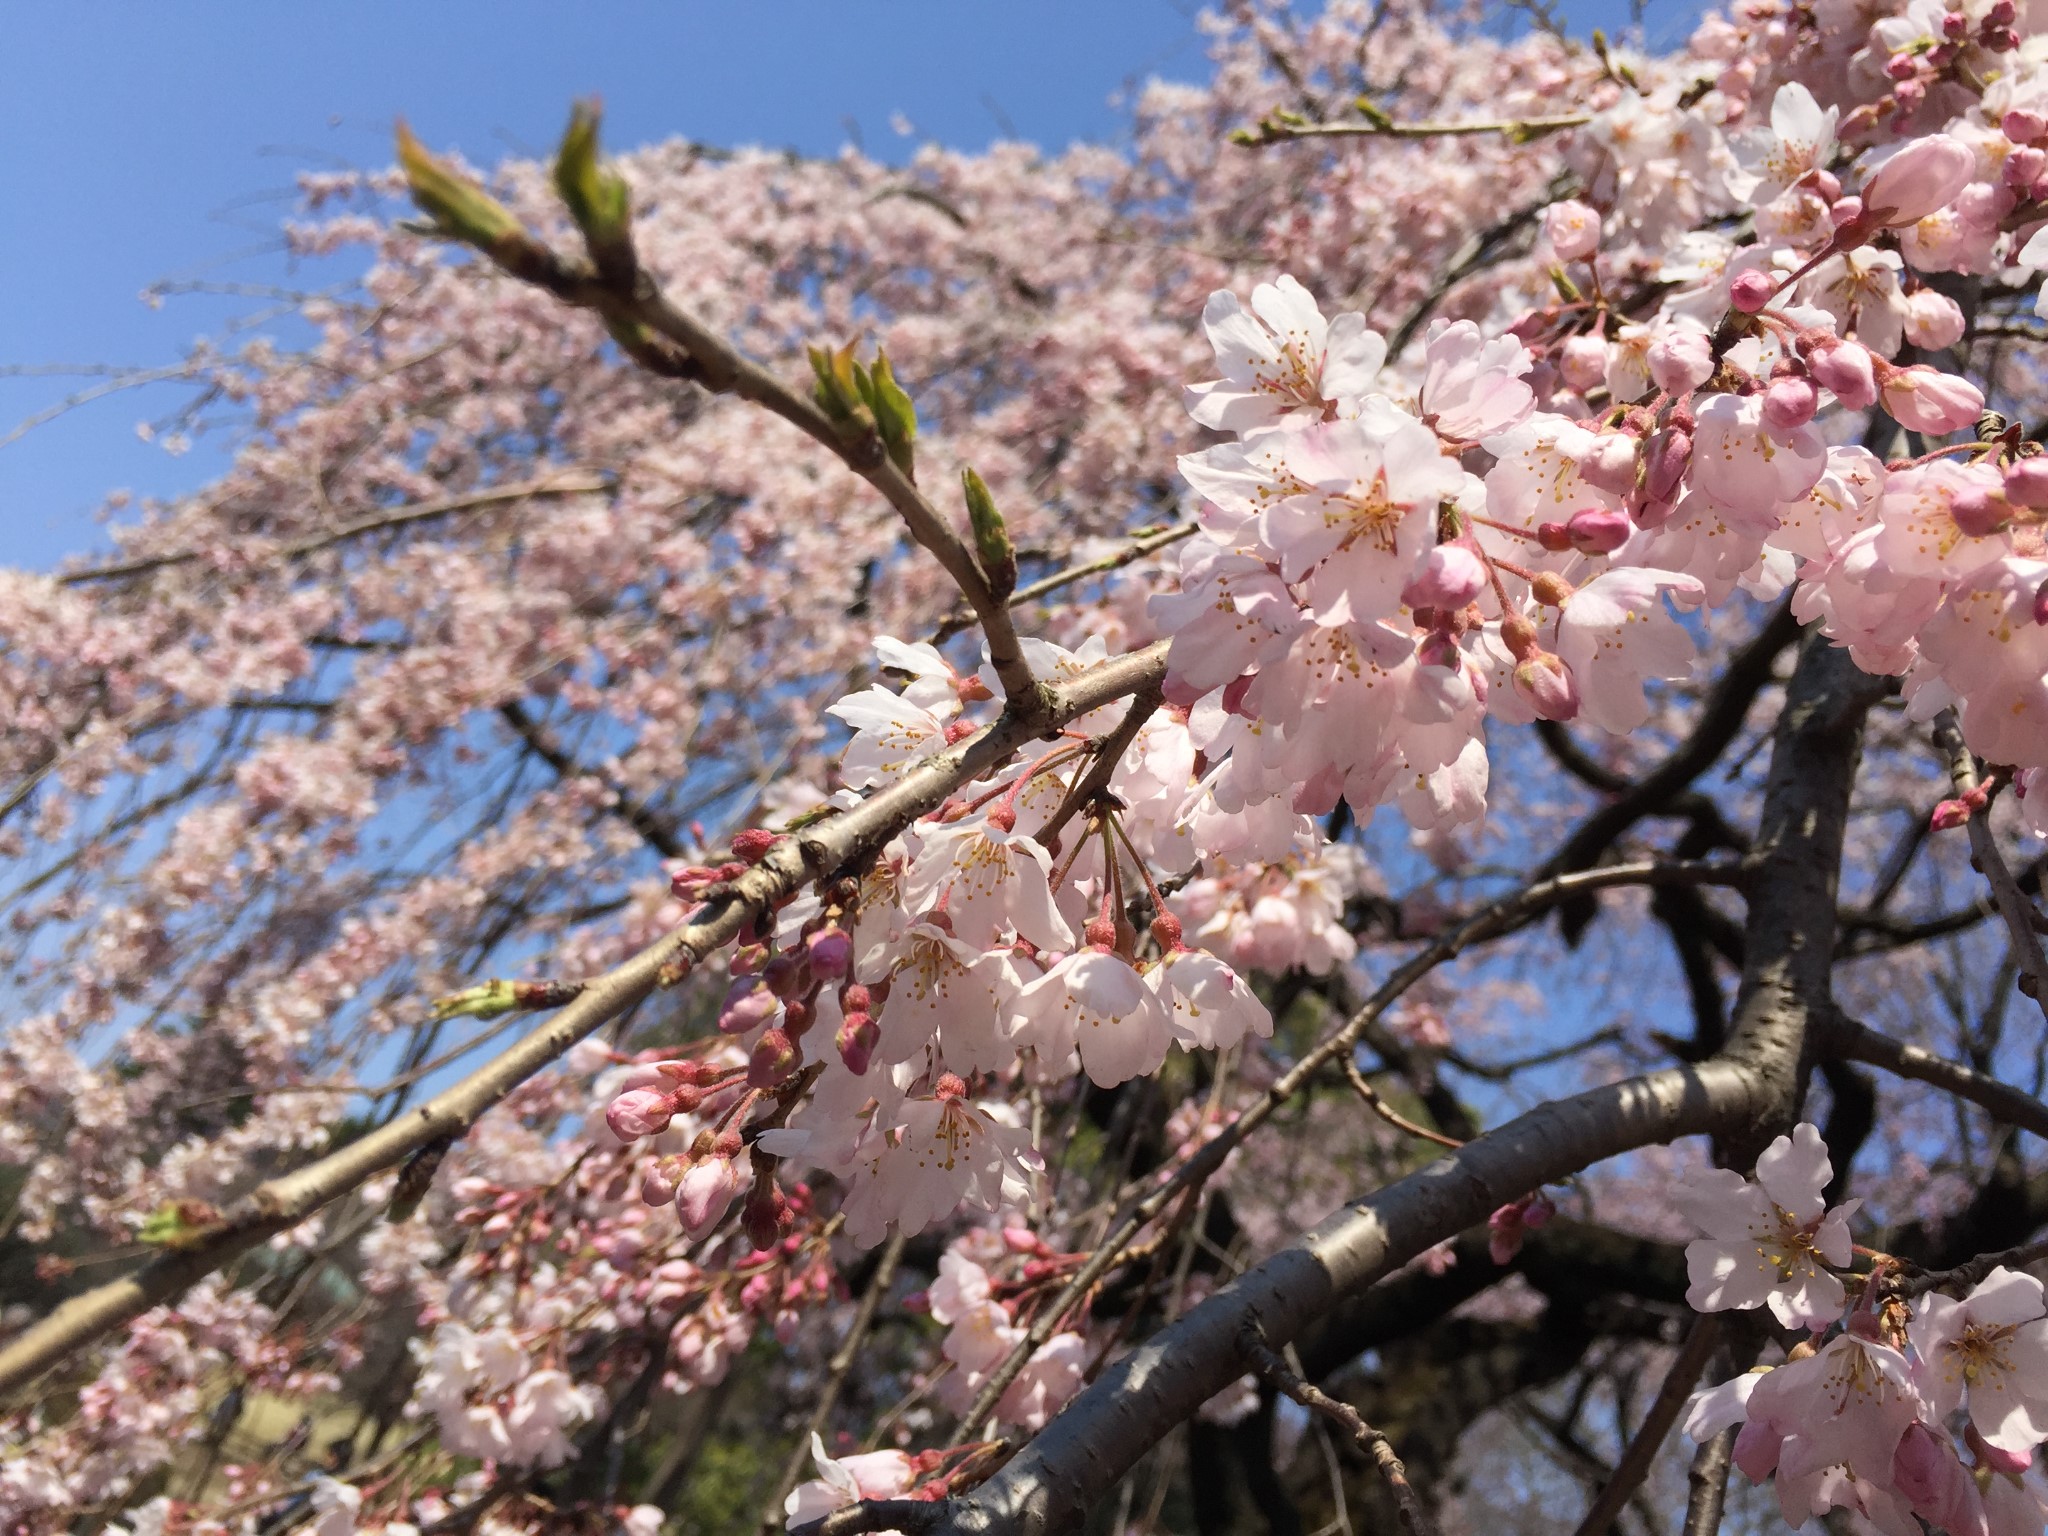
(820, 852)
(836, 1371)
(1966, 1275)
(1379, 1106)
(1665, 1408)
(1077, 1459)
(1268, 1362)
(1491, 921)
(497, 495)
(1282, 126)
(1845, 1037)
(2019, 913)
(669, 341)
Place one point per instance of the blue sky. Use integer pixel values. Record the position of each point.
(158, 144)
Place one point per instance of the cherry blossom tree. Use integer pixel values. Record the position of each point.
(1333, 822)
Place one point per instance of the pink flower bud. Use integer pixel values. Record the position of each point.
(1681, 360)
(1933, 320)
(705, 1195)
(784, 975)
(1449, 576)
(747, 1007)
(2026, 482)
(2023, 125)
(658, 1179)
(1925, 399)
(2003, 13)
(1573, 230)
(1846, 369)
(1665, 462)
(1789, 403)
(1979, 512)
(752, 844)
(1610, 463)
(1826, 183)
(1554, 537)
(1752, 290)
(831, 952)
(774, 1060)
(1547, 683)
(1582, 361)
(1948, 815)
(1846, 211)
(1901, 66)
(638, 1112)
(1599, 530)
(2023, 167)
(856, 1041)
(1999, 39)
(1920, 179)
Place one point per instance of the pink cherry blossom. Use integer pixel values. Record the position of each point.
(1772, 1240)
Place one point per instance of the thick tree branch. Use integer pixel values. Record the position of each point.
(1846, 1038)
(1078, 1458)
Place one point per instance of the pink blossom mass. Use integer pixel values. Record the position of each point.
(1331, 822)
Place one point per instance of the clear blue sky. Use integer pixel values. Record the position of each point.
(151, 142)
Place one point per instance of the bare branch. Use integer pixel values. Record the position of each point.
(497, 495)
(1858, 1042)
(1268, 1363)
(2013, 906)
(1707, 1483)
(1642, 1451)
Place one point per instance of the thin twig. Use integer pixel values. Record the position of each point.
(1670, 1401)
(1264, 1359)
(1505, 915)
(529, 490)
(1379, 1106)
(2013, 906)
(1109, 751)
(1971, 1273)
(840, 1367)
(1139, 547)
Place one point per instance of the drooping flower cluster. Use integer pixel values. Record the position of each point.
(1866, 1416)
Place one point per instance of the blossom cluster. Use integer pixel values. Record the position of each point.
(1866, 1413)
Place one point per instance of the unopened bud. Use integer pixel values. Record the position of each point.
(1978, 512)
(2023, 125)
(1789, 403)
(1922, 178)
(785, 975)
(856, 1041)
(1551, 589)
(1549, 687)
(2026, 482)
(639, 1112)
(1166, 932)
(1610, 463)
(1847, 370)
(830, 951)
(1449, 576)
(1949, 814)
(1597, 531)
(1555, 537)
(747, 1007)
(705, 1194)
(774, 1060)
(1752, 290)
